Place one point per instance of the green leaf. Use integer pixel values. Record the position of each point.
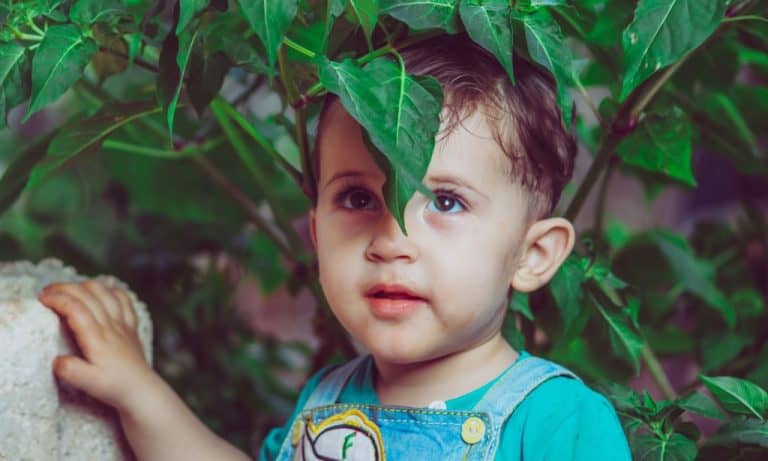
(519, 303)
(13, 91)
(625, 337)
(739, 432)
(662, 32)
(701, 405)
(697, 275)
(721, 348)
(93, 11)
(174, 58)
(81, 136)
(399, 112)
(675, 447)
(334, 9)
(187, 10)
(548, 47)
(738, 395)
(206, 76)
(270, 20)
(58, 64)
(424, 14)
(366, 13)
(488, 24)
(566, 288)
(661, 144)
(15, 177)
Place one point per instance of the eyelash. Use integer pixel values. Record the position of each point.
(440, 192)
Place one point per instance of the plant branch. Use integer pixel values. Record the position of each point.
(297, 47)
(138, 61)
(657, 372)
(249, 208)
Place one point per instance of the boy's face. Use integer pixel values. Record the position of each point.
(460, 254)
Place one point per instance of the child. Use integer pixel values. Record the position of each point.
(440, 380)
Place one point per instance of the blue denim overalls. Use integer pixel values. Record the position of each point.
(325, 430)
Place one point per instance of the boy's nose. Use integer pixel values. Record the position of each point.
(389, 243)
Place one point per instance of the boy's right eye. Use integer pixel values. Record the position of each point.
(356, 198)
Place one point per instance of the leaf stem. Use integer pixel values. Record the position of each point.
(748, 17)
(657, 372)
(297, 47)
(34, 27)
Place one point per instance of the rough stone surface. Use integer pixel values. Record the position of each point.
(41, 418)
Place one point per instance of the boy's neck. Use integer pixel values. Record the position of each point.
(444, 378)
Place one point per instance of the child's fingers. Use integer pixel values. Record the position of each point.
(129, 314)
(78, 317)
(89, 301)
(78, 373)
(104, 295)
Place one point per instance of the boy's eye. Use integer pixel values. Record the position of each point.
(357, 199)
(446, 203)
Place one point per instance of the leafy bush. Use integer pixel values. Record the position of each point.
(201, 113)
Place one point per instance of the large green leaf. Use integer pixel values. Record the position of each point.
(661, 144)
(207, 70)
(365, 13)
(675, 447)
(697, 275)
(92, 11)
(547, 46)
(738, 395)
(399, 112)
(15, 177)
(741, 431)
(81, 136)
(489, 24)
(58, 63)
(625, 337)
(187, 10)
(423, 14)
(662, 32)
(701, 405)
(270, 20)
(174, 59)
(13, 66)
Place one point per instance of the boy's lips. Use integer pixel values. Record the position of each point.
(393, 301)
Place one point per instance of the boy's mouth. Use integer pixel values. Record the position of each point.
(394, 291)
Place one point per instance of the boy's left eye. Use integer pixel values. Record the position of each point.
(446, 203)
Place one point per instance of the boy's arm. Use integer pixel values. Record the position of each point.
(156, 422)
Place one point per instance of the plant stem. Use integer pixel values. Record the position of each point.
(249, 208)
(657, 372)
(141, 150)
(748, 17)
(295, 46)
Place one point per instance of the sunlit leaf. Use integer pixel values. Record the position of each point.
(187, 10)
(270, 20)
(661, 144)
(424, 14)
(738, 395)
(399, 112)
(488, 23)
(82, 136)
(662, 32)
(58, 64)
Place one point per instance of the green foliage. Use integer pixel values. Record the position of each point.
(151, 161)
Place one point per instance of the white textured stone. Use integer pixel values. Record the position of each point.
(41, 418)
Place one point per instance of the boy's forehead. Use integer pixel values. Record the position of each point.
(469, 152)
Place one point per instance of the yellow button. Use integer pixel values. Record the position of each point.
(472, 430)
(298, 428)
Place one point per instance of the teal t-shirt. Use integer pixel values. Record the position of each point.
(561, 419)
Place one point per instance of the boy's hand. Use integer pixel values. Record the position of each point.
(104, 324)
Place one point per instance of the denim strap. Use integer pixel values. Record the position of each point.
(512, 388)
(326, 393)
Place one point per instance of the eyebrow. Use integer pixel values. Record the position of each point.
(448, 179)
(345, 174)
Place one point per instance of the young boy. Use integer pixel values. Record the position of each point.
(440, 380)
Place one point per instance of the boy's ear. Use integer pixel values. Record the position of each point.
(545, 246)
(312, 228)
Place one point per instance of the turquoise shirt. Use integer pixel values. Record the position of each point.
(561, 419)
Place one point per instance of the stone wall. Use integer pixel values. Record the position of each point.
(42, 419)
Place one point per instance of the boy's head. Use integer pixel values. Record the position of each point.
(524, 117)
(500, 161)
